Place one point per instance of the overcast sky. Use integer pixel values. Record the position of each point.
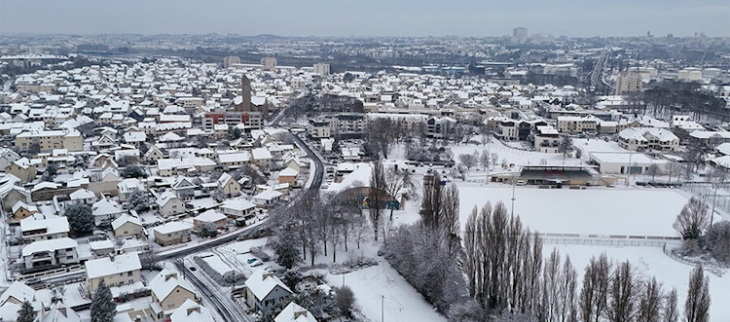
(574, 18)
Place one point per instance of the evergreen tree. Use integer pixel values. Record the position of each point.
(26, 313)
(103, 307)
(80, 218)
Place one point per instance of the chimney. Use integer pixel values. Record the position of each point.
(111, 256)
(267, 275)
(169, 276)
(193, 309)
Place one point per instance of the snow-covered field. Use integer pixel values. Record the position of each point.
(382, 285)
(512, 155)
(651, 261)
(597, 210)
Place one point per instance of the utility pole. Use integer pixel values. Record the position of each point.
(514, 184)
(382, 308)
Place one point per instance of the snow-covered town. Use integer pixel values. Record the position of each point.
(232, 178)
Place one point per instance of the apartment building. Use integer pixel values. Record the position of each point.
(648, 139)
(43, 229)
(50, 140)
(318, 129)
(577, 124)
(50, 253)
(115, 270)
(547, 139)
(251, 120)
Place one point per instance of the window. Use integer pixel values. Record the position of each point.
(130, 273)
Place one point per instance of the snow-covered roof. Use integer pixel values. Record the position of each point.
(640, 133)
(82, 194)
(261, 154)
(21, 204)
(107, 266)
(210, 216)
(165, 282)
(123, 219)
(165, 197)
(270, 194)
(288, 172)
(262, 282)
(191, 311)
(237, 204)
(172, 227)
(106, 207)
(54, 225)
(235, 157)
(49, 245)
(294, 313)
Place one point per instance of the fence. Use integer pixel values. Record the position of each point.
(604, 242)
(711, 267)
(719, 195)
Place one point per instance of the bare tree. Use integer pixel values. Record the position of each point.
(376, 196)
(495, 159)
(484, 159)
(673, 168)
(697, 305)
(551, 297)
(569, 309)
(692, 220)
(653, 171)
(650, 302)
(400, 184)
(593, 296)
(622, 294)
(670, 312)
(468, 160)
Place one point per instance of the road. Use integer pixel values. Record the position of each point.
(223, 303)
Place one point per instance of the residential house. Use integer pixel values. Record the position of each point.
(267, 198)
(210, 216)
(190, 311)
(153, 154)
(105, 211)
(169, 292)
(101, 247)
(50, 253)
(22, 169)
(263, 290)
(237, 208)
(126, 226)
(83, 196)
(33, 230)
(234, 160)
(294, 313)
(168, 204)
(288, 175)
(262, 157)
(21, 210)
(115, 270)
(184, 187)
(228, 186)
(171, 233)
(7, 157)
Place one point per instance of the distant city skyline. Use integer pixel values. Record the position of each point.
(573, 18)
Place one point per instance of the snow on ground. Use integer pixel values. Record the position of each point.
(244, 246)
(360, 176)
(512, 155)
(651, 261)
(597, 210)
(381, 284)
(216, 263)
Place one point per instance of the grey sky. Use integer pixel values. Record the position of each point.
(579, 18)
